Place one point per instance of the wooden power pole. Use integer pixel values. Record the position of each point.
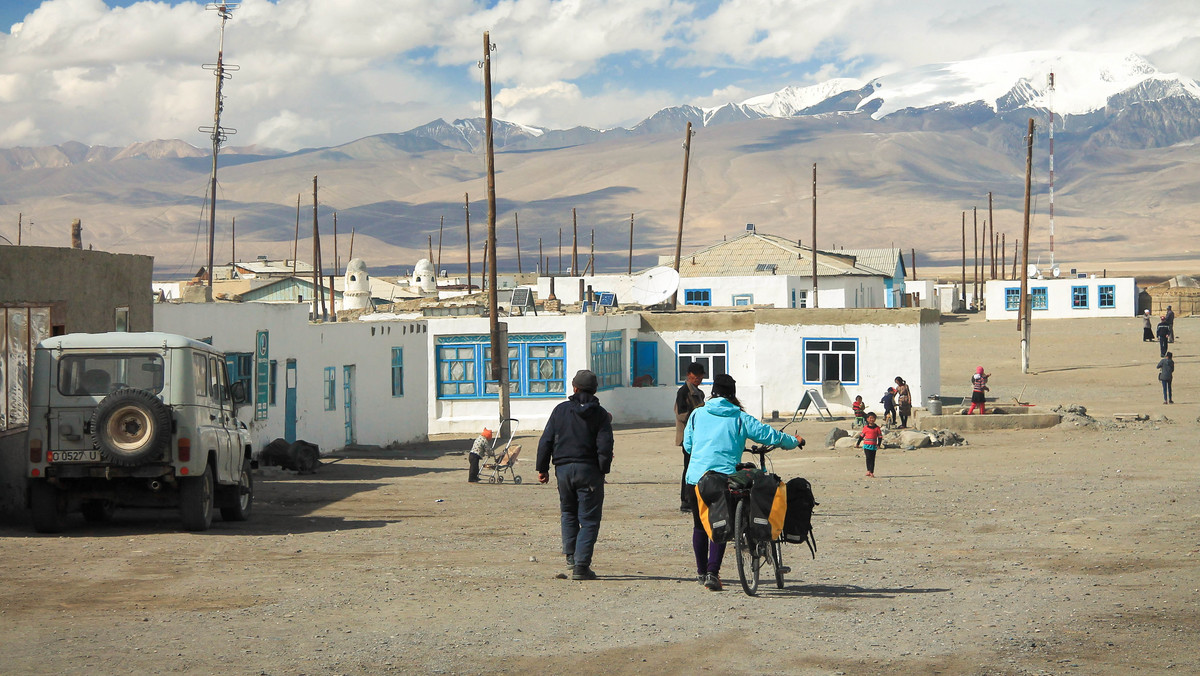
(517, 230)
(631, 244)
(814, 236)
(574, 245)
(687, 154)
(467, 211)
(499, 331)
(1026, 302)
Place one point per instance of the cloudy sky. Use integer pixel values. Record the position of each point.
(325, 72)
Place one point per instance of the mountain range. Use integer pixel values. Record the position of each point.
(900, 158)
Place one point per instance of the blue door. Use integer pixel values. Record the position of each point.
(348, 401)
(289, 402)
(645, 362)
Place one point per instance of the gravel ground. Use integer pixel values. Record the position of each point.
(1063, 551)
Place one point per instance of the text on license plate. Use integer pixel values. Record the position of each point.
(91, 455)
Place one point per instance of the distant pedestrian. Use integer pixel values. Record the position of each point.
(480, 449)
(1163, 331)
(889, 406)
(579, 439)
(1169, 318)
(978, 387)
(1147, 330)
(687, 399)
(860, 411)
(870, 438)
(903, 401)
(1166, 373)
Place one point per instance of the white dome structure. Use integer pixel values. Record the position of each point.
(424, 277)
(356, 293)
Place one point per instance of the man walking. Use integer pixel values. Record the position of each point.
(688, 398)
(579, 439)
(1163, 332)
(1169, 318)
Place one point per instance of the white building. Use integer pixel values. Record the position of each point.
(1064, 298)
(376, 382)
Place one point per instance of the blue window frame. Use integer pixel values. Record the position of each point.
(397, 372)
(1079, 297)
(831, 359)
(606, 358)
(1106, 296)
(697, 297)
(537, 367)
(1039, 298)
(1012, 298)
(714, 356)
(330, 388)
(241, 369)
(743, 299)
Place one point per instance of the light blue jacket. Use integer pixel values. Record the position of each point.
(716, 435)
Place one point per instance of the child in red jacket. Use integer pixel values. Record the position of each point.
(870, 438)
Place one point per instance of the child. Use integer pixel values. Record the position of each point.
(870, 438)
(889, 405)
(479, 449)
(978, 387)
(858, 407)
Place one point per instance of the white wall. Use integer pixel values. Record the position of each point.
(834, 292)
(926, 289)
(380, 418)
(1058, 292)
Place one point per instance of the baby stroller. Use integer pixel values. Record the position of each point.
(501, 461)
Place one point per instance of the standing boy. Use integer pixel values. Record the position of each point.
(869, 438)
(579, 439)
(687, 399)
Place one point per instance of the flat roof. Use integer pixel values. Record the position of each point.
(120, 339)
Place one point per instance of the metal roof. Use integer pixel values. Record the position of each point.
(884, 260)
(756, 254)
(120, 339)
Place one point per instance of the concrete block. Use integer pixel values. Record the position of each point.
(963, 423)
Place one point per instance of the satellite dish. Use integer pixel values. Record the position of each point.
(1032, 271)
(1054, 271)
(654, 286)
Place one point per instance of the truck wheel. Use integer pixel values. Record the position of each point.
(131, 426)
(238, 499)
(196, 500)
(47, 512)
(98, 511)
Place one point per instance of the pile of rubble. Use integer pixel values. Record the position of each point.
(894, 438)
(1075, 416)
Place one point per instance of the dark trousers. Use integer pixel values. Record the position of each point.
(870, 454)
(473, 473)
(1162, 345)
(581, 500)
(1167, 390)
(708, 554)
(687, 494)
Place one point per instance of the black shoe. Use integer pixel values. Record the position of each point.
(685, 507)
(570, 560)
(583, 573)
(712, 582)
(702, 578)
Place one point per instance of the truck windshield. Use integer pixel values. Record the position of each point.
(81, 375)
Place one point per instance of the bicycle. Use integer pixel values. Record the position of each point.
(753, 554)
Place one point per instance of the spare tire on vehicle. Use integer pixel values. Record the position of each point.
(131, 427)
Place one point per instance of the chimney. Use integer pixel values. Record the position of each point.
(76, 234)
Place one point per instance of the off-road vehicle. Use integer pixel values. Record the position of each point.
(135, 420)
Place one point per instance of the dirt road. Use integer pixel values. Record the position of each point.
(1063, 551)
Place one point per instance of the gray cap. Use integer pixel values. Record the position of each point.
(585, 381)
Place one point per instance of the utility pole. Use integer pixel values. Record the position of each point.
(815, 304)
(217, 133)
(687, 153)
(351, 254)
(441, 224)
(631, 244)
(1026, 301)
(560, 251)
(233, 240)
(499, 331)
(541, 270)
(296, 241)
(1016, 253)
(964, 259)
(914, 263)
(336, 262)
(318, 291)
(20, 215)
(1003, 255)
(991, 219)
(574, 245)
(975, 265)
(591, 266)
(430, 243)
(517, 229)
(467, 211)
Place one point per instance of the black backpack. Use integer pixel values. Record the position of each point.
(797, 525)
(713, 493)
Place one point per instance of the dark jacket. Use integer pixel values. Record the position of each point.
(1163, 331)
(579, 430)
(1166, 369)
(687, 399)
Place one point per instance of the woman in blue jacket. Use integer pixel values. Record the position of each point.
(715, 437)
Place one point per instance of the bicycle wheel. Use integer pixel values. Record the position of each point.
(777, 562)
(747, 551)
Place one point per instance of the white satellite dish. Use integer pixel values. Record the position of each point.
(1055, 272)
(1032, 271)
(654, 286)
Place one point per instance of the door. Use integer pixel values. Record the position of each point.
(645, 362)
(289, 402)
(348, 401)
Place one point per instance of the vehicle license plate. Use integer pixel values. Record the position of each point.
(91, 455)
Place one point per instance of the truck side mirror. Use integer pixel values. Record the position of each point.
(237, 392)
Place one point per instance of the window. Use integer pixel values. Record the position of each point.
(122, 319)
(199, 374)
(397, 372)
(606, 358)
(537, 366)
(1107, 296)
(100, 374)
(714, 357)
(273, 382)
(1079, 297)
(830, 359)
(1012, 298)
(241, 368)
(743, 299)
(799, 298)
(1039, 299)
(697, 297)
(330, 388)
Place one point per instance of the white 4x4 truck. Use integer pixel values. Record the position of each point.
(135, 420)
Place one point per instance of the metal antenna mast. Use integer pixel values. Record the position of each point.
(216, 132)
(1053, 269)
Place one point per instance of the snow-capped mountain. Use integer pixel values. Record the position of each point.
(791, 101)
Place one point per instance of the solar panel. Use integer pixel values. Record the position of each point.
(766, 267)
(521, 297)
(607, 299)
